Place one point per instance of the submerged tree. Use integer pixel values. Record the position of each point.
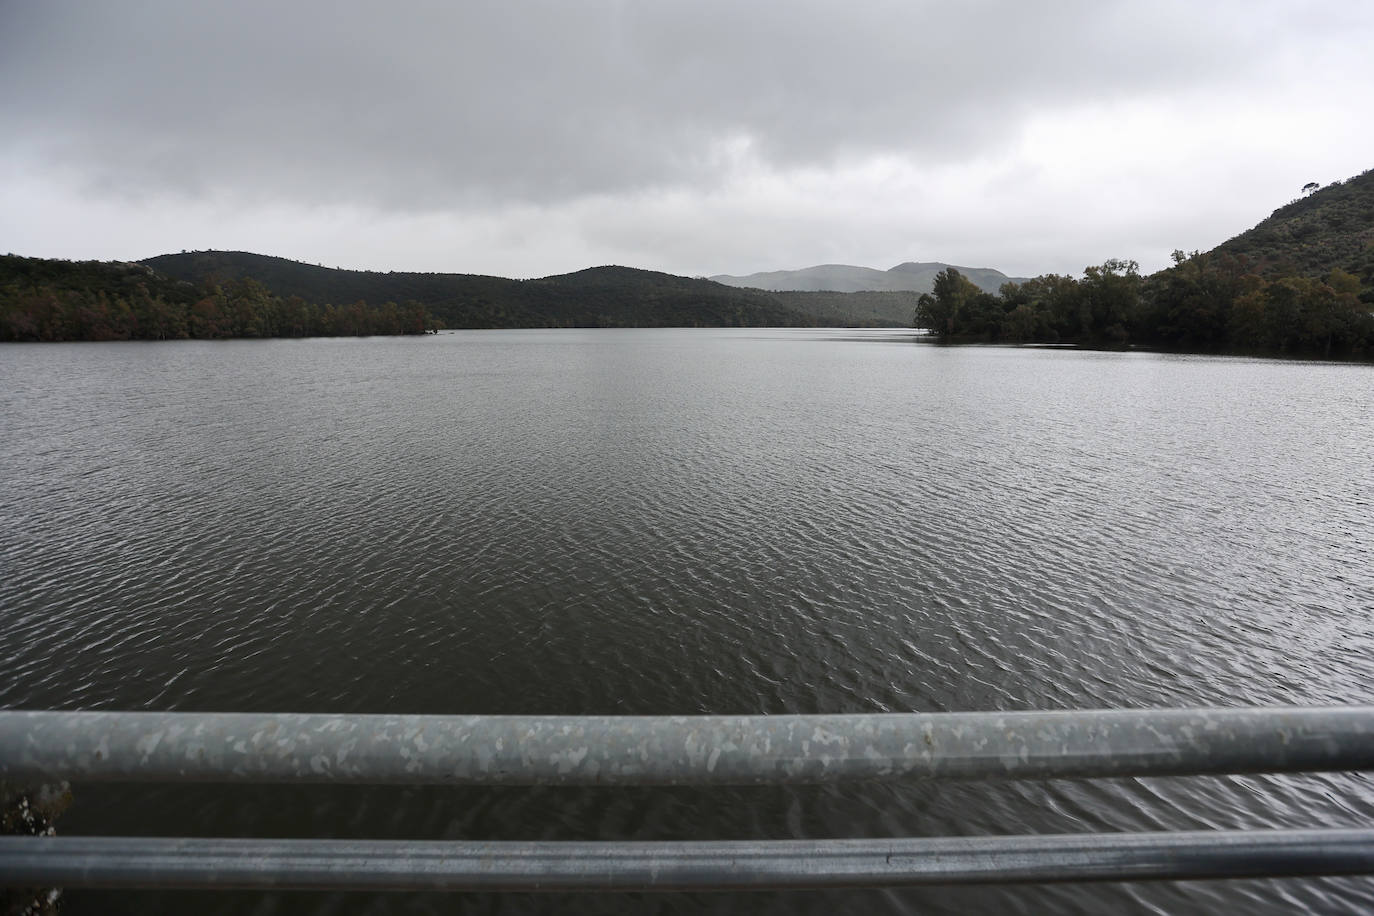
(941, 313)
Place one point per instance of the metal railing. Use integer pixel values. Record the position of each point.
(693, 750)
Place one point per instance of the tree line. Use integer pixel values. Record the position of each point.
(45, 300)
(607, 296)
(1210, 303)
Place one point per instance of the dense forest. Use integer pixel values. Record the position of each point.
(238, 294)
(1301, 283)
(94, 300)
(593, 298)
(1205, 303)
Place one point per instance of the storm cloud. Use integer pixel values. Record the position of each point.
(524, 138)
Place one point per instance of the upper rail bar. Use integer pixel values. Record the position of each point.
(678, 750)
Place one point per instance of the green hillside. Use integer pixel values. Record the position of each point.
(49, 300)
(628, 297)
(1330, 229)
(854, 310)
(1301, 283)
(595, 297)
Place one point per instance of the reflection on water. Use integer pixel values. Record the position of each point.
(650, 522)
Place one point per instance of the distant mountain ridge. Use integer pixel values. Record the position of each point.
(911, 276)
(608, 296)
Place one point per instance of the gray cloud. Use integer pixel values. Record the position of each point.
(418, 106)
(698, 137)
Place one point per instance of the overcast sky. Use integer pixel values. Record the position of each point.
(696, 137)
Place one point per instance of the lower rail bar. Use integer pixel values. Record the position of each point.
(678, 750)
(738, 865)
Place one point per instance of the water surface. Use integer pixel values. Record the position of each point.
(672, 521)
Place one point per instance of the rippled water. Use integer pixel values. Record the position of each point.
(648, 522)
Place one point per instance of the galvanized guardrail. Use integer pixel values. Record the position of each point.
(694, 750)
(678, 750)
(735, 865)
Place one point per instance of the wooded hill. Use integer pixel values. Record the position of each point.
(48, 300)
(1332, 228)
(595, 297)
(238, 294)
(1301, 283)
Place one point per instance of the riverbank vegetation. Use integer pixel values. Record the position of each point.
(598, 297)
(1208, 303)
(48, 300)
(240, 294)
(1301, 283)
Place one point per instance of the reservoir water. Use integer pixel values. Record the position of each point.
(690, 521)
